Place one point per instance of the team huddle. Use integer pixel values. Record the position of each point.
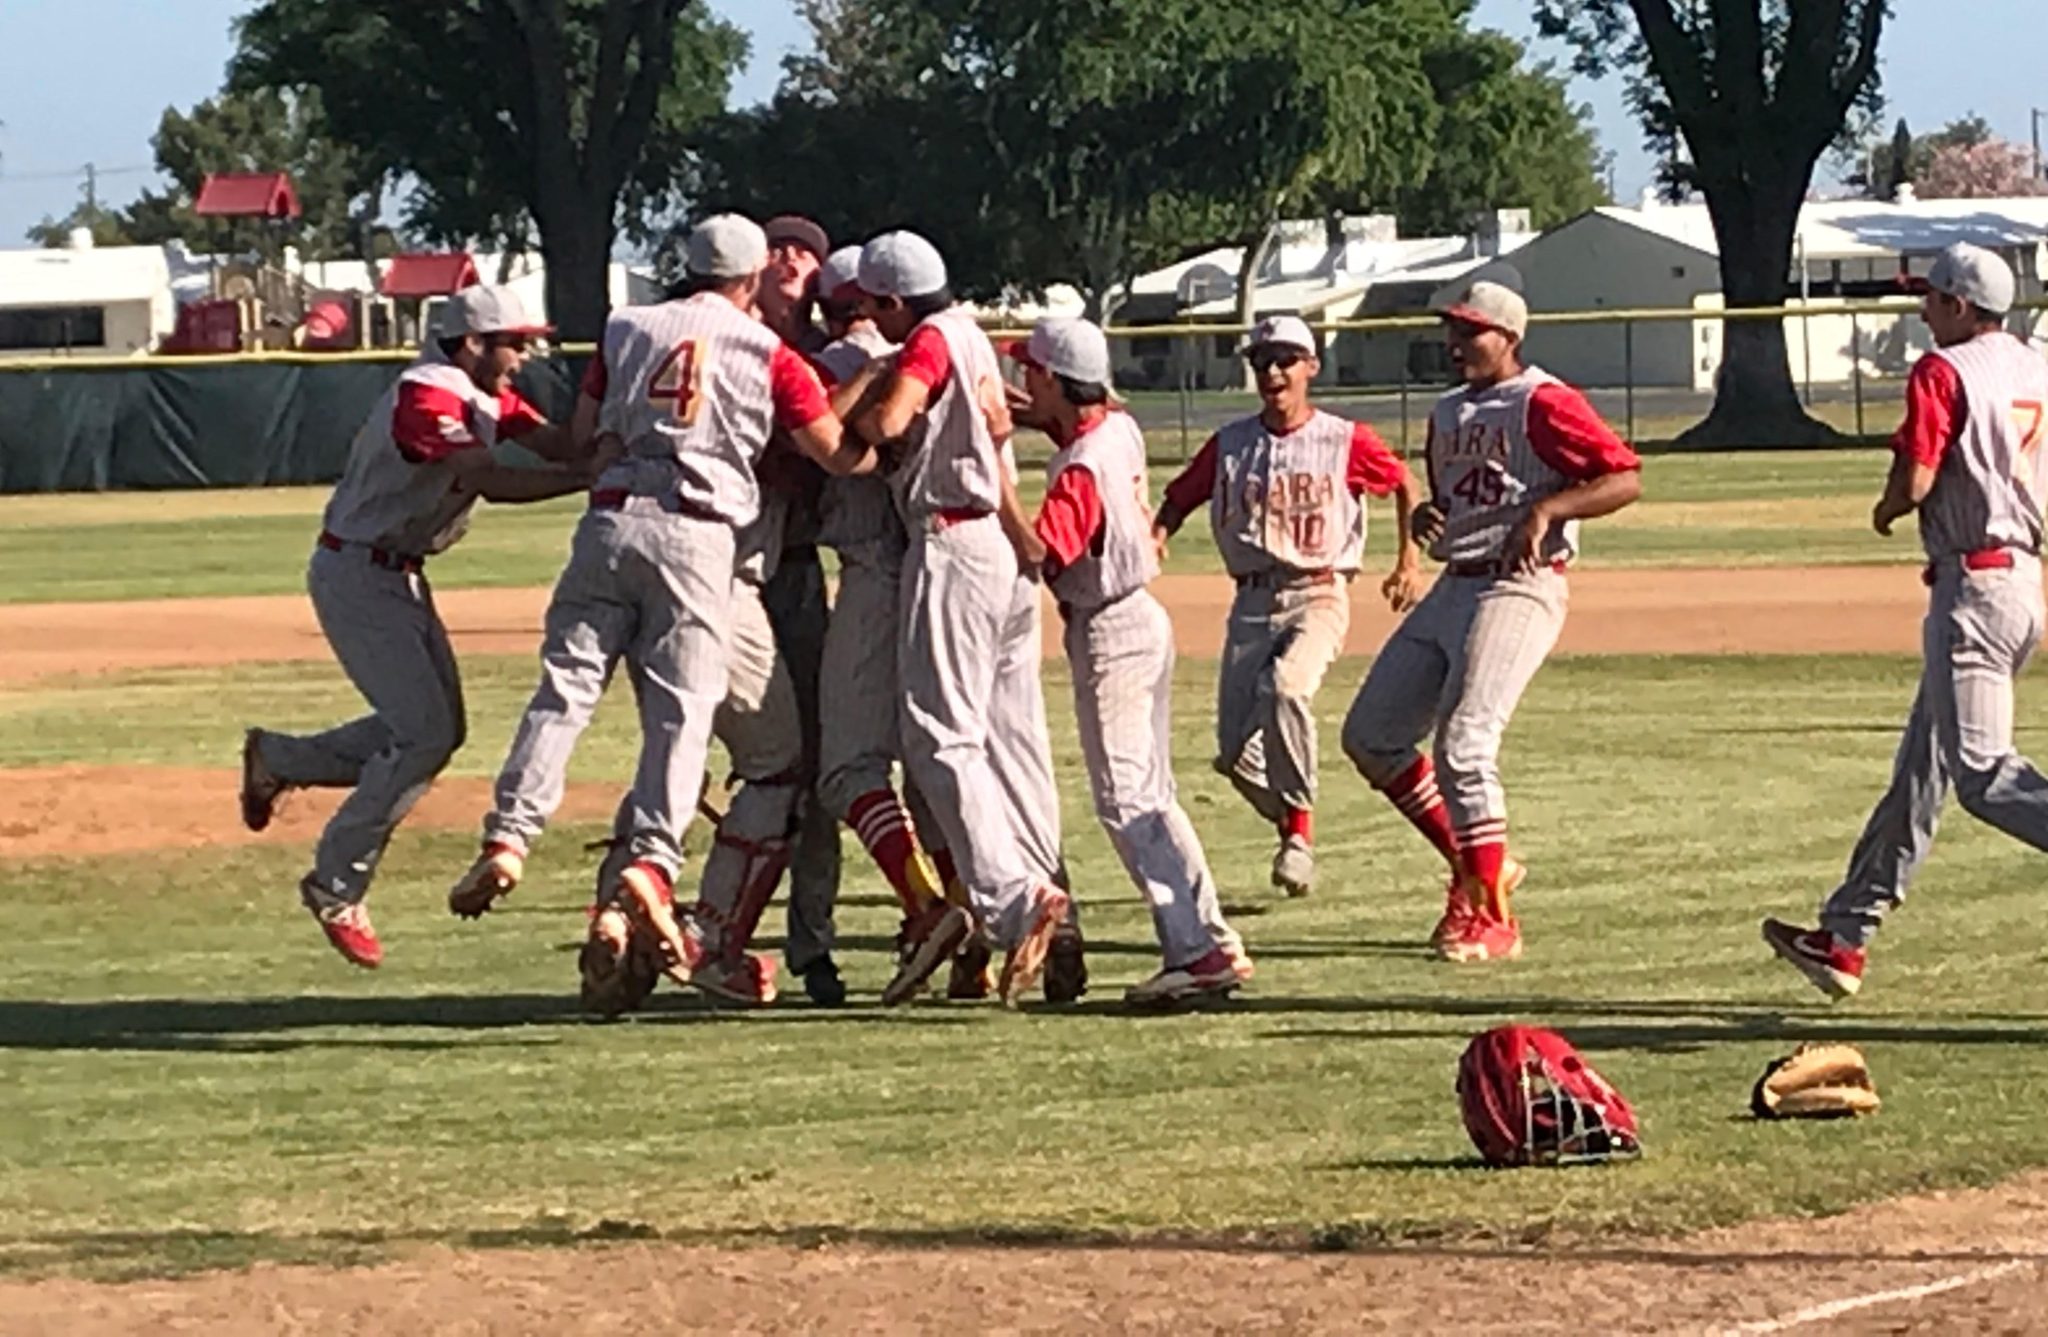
(789, 395)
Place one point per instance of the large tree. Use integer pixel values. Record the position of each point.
(561, 112)
(1073, 140)
(1757, 90)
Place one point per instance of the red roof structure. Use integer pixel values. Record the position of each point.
(247, 195)
(427, 275)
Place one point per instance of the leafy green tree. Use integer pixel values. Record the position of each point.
(568, 116)
(1757, 91)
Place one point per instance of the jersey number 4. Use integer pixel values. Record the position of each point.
(679, 381)
(1481, 488)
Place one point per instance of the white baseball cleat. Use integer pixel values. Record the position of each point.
(495, 873)
(1294, 867)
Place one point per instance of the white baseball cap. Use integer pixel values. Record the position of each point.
(901, 264)
(1975, 275)
(726, 246)
(1284, 331)
(1487, 303)
(1075, 349)
(487, 308)
(841, 270)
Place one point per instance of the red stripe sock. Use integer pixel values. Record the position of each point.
(1299, 822)
(1415, 795)
(883, 826)
(1483, 850)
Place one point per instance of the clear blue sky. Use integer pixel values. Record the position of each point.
(85, 81)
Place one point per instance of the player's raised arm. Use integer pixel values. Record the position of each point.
(805, 411)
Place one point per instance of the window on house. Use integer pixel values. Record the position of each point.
(32, 327)
(1226, 345)
(1151, 345)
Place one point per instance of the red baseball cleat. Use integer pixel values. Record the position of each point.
(494, 874)
(1484, 938)
(347, 926)
(1026, 961)
(749, 981)
(1829, 964)
(1214, 976)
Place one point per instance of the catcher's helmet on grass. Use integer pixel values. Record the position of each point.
(1530, 1099)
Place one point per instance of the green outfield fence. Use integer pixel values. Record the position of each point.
(261, 419)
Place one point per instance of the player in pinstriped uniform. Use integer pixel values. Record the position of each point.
(860, 742)
(1516, 459)
(692, 389)
(1972, 458)
(1096, 525)
(1283, 489)
(974, 716)
(414, 472)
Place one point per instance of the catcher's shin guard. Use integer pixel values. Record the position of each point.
(740, 878)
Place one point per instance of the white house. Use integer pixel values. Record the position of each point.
(1666, 257)
(84, 301)
(1319, 270)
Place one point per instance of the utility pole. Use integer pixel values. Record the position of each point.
(2034, 118)
(92, 193)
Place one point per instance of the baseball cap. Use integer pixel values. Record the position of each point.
(841, 273)
(1284, 331)
(901, 264)
(796, 228)
(726, 246)
(1492, 305)
(487, 308)
(1075, 349)
(1975, 275)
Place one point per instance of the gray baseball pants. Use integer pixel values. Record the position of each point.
(1981, 628)
(1279, 643)
(393, 647)
(652, 586)
(798, 611)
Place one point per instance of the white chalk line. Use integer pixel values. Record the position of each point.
(1836, 1308)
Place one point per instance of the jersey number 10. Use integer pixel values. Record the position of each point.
(679, 379)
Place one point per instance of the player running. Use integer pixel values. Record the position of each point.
(1284, 490)
(974, 729)
(1516, 459)
(692, 388)
(1969, 459)
(414, 472)
(1097, 529)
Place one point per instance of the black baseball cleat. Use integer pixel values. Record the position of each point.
(1066, 966)
(822, 984)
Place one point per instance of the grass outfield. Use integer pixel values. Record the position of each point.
(1699, 510)
(194, 1080)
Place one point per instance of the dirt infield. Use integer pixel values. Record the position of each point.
(1975, 1262)
(1786, 611)
(1966, 1262)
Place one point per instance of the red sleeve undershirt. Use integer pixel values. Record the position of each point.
(430, 422)
(799, 395)
(517, 415)
(1069, 517)
(925, 357)
(1373, 467)
(1187, 493)
(1570, 436)
(1934, 412)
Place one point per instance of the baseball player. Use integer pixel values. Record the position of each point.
(859, 742)
(414, 472)
(794, 597)
(692, 388)
(1516, 459)
(1284, 490)
(974, 733)
(1969, 459)
(1096, 525)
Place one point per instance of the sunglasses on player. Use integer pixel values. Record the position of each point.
(518, 343)
(1465, 329)
(1266, 359)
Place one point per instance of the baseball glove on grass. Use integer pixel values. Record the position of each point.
(1817, 1081)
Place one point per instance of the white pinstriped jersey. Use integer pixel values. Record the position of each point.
(1285, 500)
(1121, 559)
(413, 507)
(1485, 473)
(1993, 480)
(687, 386)
(953, 463)
(857, 509)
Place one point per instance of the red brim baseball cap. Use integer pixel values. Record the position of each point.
(1472, 316)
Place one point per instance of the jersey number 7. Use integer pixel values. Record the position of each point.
(679, 378)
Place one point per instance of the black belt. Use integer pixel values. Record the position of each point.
(615, 499)
(1278, 579)
(1494, 567)
(384, 557)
